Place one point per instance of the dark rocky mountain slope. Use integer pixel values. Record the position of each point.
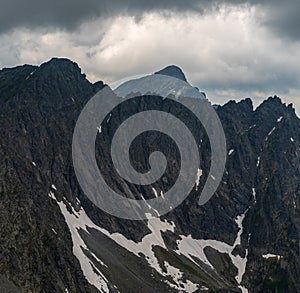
(53, 239)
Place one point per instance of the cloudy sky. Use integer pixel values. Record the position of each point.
(229, 49)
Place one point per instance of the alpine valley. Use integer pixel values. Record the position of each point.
(53, 239)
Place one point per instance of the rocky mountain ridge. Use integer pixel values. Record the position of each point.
(53, 239)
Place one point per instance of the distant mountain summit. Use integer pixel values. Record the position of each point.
(174, 71)
(168, 81)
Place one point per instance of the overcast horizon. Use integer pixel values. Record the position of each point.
(229, 49)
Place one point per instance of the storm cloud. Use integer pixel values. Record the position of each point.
(279, 16)
(282, 17)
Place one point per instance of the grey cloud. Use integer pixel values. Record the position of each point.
(33, 13)
(68, 14)
(282, 17)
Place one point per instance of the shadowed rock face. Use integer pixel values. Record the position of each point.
(39, 107)
(7, 286)
(173, 71)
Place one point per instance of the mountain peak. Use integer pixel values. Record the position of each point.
(174, 71)
(61, 70)
(61, 64)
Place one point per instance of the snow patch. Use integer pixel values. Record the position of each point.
(294, 203)
(292, 140)
(51, 195)
(75, 222)
(279, 119)
(53, 187)
(80, 220)
(98, 259)
(272, 130)
(108, 118)
(155, 192)
(187, 246)
(148, 205)
(230, 152)
(190, 247)
(33, 163)
(31, 73)
(269, 255)
(177, 275)
(258, 162)
(254, 194)
(199, 174)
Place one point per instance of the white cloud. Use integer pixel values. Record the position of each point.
(228, 53)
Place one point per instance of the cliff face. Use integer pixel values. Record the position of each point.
(53, 239)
